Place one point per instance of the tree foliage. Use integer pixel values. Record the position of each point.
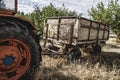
(109, 14)
(52, 11)
(38, 16)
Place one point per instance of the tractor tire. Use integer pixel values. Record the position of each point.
(19, 54)
(74, 55)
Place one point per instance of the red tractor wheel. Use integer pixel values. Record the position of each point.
(19, 54)
(14, 59)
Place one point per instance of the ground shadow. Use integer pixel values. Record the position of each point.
(53, 74)
(110, 59)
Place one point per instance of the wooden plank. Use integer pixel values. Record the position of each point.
(52, 21)
(85, 22)
(93, 34)
(95, 25)
(89, 30)
(100, 36)
(69, 30)
(71, 33)
(59, 21)
(83, 34)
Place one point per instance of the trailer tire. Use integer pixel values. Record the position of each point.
(28, 62)
(74, 55)
(97, 49)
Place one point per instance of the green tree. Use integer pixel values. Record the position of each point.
(109, 15)
(20, 14)
(35, 17)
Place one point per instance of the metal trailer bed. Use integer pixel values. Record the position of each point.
(69, 34)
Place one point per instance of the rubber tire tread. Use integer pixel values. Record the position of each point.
(97, 49)
(74, 54)
(9, 32)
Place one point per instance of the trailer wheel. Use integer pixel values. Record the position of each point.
(19, 54)
(74, 54)
(96, 49)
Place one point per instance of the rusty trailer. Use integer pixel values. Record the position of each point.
(67, 35)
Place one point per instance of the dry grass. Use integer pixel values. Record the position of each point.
(105, 66)
(102, 67)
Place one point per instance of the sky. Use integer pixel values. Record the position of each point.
(81, 6)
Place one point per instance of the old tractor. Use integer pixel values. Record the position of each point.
(20, 52)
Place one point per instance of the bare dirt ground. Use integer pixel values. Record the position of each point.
(105, 66)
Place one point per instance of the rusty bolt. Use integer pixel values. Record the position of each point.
(1, 58)
(6, 55)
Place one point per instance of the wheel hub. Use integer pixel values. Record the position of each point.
(9, 60)
(14, 59)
